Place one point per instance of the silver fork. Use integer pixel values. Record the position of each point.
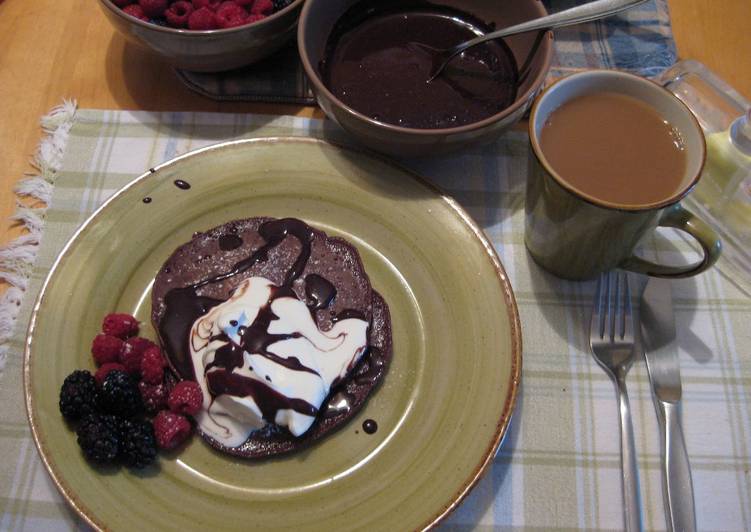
(611, 337)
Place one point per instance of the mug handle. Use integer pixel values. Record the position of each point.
(680, 218)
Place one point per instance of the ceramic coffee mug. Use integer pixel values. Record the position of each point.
(577, 236)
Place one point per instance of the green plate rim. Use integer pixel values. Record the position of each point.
(501, 276)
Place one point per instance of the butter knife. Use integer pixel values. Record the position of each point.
(658, 339)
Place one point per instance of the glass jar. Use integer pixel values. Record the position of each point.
(723, 194)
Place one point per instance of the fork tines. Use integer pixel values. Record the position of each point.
(612, 311)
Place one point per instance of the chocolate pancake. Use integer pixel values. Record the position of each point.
(324, 272)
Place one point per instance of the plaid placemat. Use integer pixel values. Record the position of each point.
(639, 40)
(558, 468)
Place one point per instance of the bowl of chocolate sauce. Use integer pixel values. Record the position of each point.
(370, 70)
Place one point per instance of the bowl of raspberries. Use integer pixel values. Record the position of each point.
(206, 35)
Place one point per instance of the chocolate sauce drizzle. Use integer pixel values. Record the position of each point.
(370, 373)
(267, 399)
(369, 426)
(255, 339)
(339, 403)
(319, 290)
(184, 306)
(229, 242)
(273, 233)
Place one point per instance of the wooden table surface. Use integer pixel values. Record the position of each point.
(55, 49)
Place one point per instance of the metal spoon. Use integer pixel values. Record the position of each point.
(575, 15)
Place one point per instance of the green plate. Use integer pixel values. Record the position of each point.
(444, 405)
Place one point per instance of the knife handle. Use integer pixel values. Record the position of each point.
(676, 472)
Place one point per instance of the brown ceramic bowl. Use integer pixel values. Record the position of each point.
(316, 22)
(210, 50)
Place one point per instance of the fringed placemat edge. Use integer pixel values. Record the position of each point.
(33, 196)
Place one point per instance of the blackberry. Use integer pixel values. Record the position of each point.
(280, 4)
(99, 438)
(78, 395)
(137, 443)
(119, 395)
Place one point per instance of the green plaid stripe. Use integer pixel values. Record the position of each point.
(559, 467)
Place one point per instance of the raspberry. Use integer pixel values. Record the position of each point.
(230, 15)
(202, 19)
(244, 3)
(211, 4)
(120, 325)
(106, 348)
(99, 438)
(170, 429)
(178, 14)
(78, 395)
(122, 3)
(137, 443)
(132, 353)
(262, 7)
(119, 395)
(153, 8)
(134, 10)
(154, 396)
(186, 398)
(254, 18)
(152, 365)
(104, 370)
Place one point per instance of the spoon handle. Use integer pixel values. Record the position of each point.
(575, 15)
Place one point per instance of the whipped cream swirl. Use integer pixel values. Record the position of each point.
(260, 358)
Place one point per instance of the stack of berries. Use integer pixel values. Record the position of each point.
(113, 407)
(201, 14)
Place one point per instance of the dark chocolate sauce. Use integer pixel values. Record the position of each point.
(229, 242)
(184, 307)
(273, 233)
(269, 401)
(229, 356)
(339, 403)
(184, 185)
(319, 290)
(374, 63)
(146, 199)
(369, 426)
(371, 372)
(256, 339)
